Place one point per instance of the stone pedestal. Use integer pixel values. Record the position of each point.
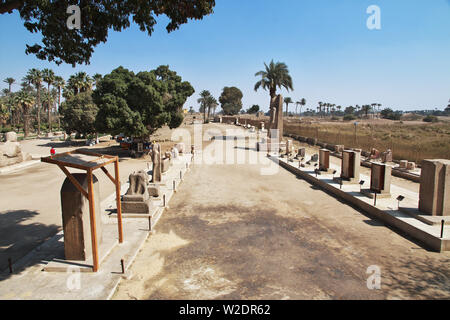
(76, 218)
(11, 136)
(156, 159)
(350, 167)
(137, 199)
(434, 194)
(165, 165)
(324, 160)
(180, 147)
(339, 148)
(403, 164)
(289, 147)
(386, 156)
(301, 153)
(380, 181)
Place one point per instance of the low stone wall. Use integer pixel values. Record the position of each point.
(428, 240)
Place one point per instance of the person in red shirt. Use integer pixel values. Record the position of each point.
(52, 151)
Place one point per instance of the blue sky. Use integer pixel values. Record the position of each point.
(331, 54)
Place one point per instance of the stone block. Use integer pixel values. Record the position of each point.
(380, 178)
(165, 165)
(76, 218)
(153, 190)
(434, 193)
(324, 159)
(403, 164)
(11, 136)
(143, 207)
(350, 166)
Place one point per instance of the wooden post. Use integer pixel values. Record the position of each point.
(92, 216)
(119, 205)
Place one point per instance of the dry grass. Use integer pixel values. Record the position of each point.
(413, 141)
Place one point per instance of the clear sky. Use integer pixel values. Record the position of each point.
(331, 54)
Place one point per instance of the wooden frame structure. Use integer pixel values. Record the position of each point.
(90, 161)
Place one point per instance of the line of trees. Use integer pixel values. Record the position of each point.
(122, 101)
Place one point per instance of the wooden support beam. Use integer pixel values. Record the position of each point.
(74, 181)
(93, 225)
(119, 205)
(109, 176)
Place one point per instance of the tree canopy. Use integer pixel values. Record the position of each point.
(79, 113)
(139, 104)
(253, 109)
(60, 44)
(231, 100)
(276, 75)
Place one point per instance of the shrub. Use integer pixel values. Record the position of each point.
(349, 117)
(430, 118)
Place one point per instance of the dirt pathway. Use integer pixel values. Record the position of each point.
(231, 233)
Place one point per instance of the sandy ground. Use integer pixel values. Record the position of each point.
(231, 233)
(30, 208)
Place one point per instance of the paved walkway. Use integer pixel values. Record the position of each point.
(231, 233)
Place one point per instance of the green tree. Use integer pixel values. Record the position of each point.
(49, 77)
(231, 100)
(34, 77)
(203, 101)
(138, 104)
(212, 104)
(287, 101)
(60, 44)
(275, 75)
(96, 78)
(366, 109)
(349, 110)
(254, 109)
(10, 81)
(59, 84)
(79, 113)
(24, 101)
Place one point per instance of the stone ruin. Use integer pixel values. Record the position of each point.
(76, 218)
(137, 199)
(289, 148)
(339, 148)
(434, 193)
(350, 167)
(301, 153)
(380, 181)
(156, 159)
(11, 151)
(386, 156)
(324, 160)
(407, 165)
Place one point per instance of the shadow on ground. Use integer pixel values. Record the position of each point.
(18, 238)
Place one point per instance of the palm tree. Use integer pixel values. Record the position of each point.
(203, 100)
(211, 103)
(96, 78)
(287, 101)
(320, 106)
(49, 78)
(59, 84)
(34, 76)
(366, 109)
(10, 82)
(24, 100)
(302, 104)
(275, 75)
